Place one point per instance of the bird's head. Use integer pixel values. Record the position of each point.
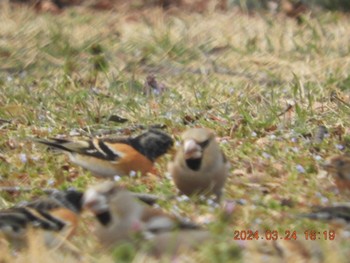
(195, 142)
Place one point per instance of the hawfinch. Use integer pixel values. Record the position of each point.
(199, 167)
(121, 215)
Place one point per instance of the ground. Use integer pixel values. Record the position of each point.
(264, 83)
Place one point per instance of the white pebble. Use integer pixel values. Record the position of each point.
(318, 158)
(272, 137)
(51, 182)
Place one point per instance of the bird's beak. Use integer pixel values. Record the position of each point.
(95, 202)
(192, 150)
(328, 166)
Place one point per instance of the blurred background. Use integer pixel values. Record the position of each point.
(289, 7)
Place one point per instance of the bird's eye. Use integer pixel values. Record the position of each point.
(341, 163)
(204, 144)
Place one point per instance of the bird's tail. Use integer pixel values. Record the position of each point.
(63, 144)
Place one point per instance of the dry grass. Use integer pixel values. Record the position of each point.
(228, 71)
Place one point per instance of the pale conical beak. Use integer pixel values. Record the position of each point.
(192, 150)
(95, 202)
(327, 165)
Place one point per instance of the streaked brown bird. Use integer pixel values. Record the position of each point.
(339, 168)
(199, 167)
(111, 157)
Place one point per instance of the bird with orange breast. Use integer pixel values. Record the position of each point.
(108, 157)
(55, 216)
(199, 167)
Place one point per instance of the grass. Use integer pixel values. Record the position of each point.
(234, 73)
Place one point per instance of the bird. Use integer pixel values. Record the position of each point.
(337, 213)
(199, 166)
(56, 213)
(339, 167)
(110, 157)
(122, 216)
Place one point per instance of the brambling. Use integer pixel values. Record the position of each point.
(119, 156)
(339, 168)
(57, 213)
(199, 167)
(121, 215)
